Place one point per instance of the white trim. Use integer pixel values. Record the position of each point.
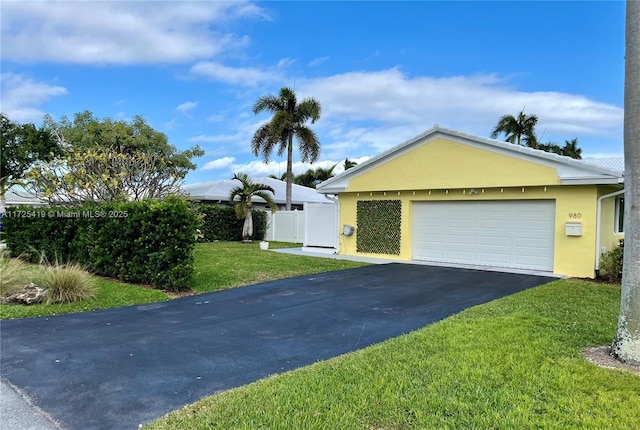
(599, 223)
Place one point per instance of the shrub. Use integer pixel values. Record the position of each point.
(67, 283)
(148, 242)
(221, 223)
(611, 263)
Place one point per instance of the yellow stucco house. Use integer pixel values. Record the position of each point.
(454, 198)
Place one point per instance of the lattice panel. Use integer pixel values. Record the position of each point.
(378, 226)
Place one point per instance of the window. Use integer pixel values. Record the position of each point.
(619, 220)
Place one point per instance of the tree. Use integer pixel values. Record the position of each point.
(349, 164)
(570, 148)
(311, 178)
(244, 205)
(517, 129)
(289, 120)
(20, 147)
(626, 343)
(107, 160)
(282, 177)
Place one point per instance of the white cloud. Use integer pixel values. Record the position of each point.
(317, 61)
(258, 168)
(20, 97)
(119, 32)
(216, 118)
(244, 76)
(220, 163)
(186, 107)
(380, 109)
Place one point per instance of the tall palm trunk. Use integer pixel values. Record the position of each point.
(626, 344)
(289, 172)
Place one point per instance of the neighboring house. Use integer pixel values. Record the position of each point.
(454, 198)
(21, 197)
(217, 192)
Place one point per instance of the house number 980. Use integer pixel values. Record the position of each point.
(576, 215)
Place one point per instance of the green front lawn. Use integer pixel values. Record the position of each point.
(514, 363)
(218, 266)
(110, 294)
(222, 265)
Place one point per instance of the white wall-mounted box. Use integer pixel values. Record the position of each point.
(573, 228)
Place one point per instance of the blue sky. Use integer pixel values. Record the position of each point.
(383, 71)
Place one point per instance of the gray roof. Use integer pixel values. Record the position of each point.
(218, 191)
(613, 163)
(15, 198)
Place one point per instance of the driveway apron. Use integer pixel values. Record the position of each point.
(118, 368)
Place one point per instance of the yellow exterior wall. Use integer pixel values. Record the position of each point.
(444, 170)
(573, 256)
(442, 164)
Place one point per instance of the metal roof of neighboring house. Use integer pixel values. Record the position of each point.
(218, 191)
(613, 163)
(570, 170)
(15, 198)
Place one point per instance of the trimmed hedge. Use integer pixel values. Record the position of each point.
(146, 242)
(221, 223)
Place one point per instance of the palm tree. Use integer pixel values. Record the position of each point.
(517, 129)
(349, 164)
(244, 206)
(311, 178)
(571, 149)
(626, 344)
(279, 178)
(288, 121)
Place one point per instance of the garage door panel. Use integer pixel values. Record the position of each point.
(461, 239)
(495, 224)
(461, 223)
(459, 256)
(494, 259)
(494, 240)
(516, 234)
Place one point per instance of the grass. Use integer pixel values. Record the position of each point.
(109, 294)
(13, 273)
(223, 265)
(218, 266)
(67, 283)
(512, 363)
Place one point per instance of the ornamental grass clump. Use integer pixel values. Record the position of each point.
(67, 283)
(14, 274)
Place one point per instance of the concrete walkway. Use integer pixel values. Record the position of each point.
(18, 413)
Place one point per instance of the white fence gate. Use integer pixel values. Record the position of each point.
(285, 226)
(316, 226)
(321, 225)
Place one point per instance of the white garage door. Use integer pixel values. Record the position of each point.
(515, 234)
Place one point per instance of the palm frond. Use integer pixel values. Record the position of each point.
(267, 103)
(308, 144)
(309, 109)
(267, 198)
(261, 143)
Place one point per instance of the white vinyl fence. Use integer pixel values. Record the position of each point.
(285, 226)
(321, 225)
(315, 226)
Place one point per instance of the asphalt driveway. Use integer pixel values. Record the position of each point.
(117, 368)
